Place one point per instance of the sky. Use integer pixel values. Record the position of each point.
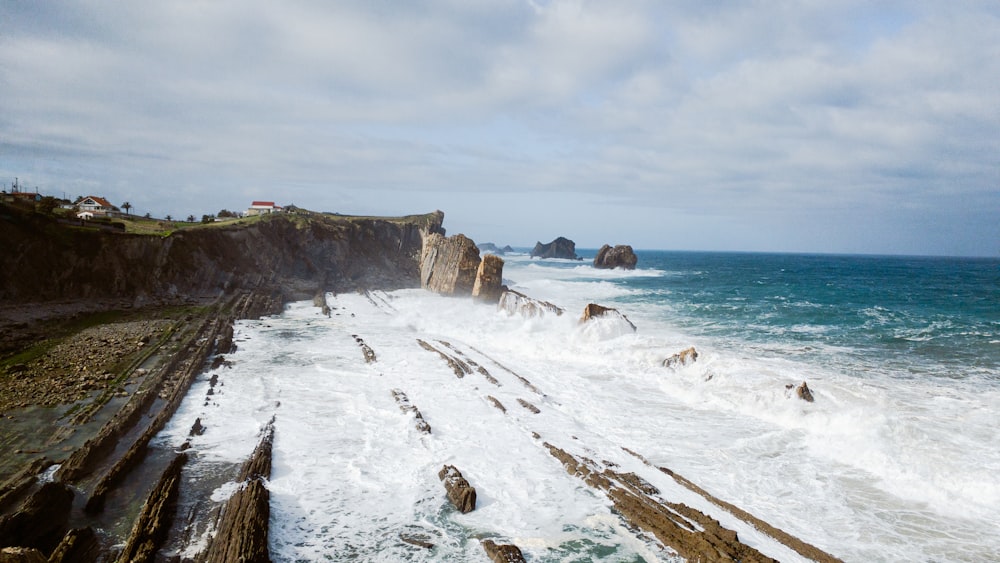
(843, 126)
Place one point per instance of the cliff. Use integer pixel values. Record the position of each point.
(291, 255)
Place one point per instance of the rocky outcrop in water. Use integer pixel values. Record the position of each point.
(461, 494)
(620, 256)
(77, 546)
(682, 358)
(448, 265)
(803, 392)
(561, 247)
(502, 553)
(489, 279)
(594, 311)
(516, 303)
(153, 524)
(21, 555)
(243, 526)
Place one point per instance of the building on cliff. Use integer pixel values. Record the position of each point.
(262, 208)
(93, 205)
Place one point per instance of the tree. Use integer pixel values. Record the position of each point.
(227, 213)
(190, 219)
(169, 218)
(126, 206)
(207, 218)
(148, 216)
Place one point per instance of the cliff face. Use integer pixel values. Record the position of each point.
(292, 255)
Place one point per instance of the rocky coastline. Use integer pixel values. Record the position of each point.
(86, 383)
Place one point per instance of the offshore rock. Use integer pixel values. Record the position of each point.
(460, 492)
(489, 279)
(514, 302)
(594, 311)
(502, 553)
(562, 247)
(803, 392)
(449, 265)
(620, 256)
(682, 358)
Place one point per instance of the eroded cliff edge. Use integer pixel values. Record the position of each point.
(293, 255)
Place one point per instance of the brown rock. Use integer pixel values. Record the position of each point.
(41, 520)
(682, 358)
(620, 256)
(803, 392)
(502, 553)
(448, 265)
(460, 492)
(593, 311)
(489, 279)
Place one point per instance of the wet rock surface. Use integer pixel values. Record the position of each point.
(41, 521)
(516, 303)
(461, 494)
(153, 524)
(404, 405)
(489, 279)
(682, 358)
(594, 311)
(502, 553)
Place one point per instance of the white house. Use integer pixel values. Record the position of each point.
(262, 208)
(96, 206)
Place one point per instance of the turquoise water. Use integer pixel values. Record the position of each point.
(905, 316)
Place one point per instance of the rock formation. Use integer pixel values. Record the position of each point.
(460, 492)
(448, 265)
(803, 392)
(682, 358)
(21, 555)
(516, 303)
(294, 255)
(560, 248)
(489, 279)
(621, 256)
(593, 311)
(151, 528)
(502, 553)
(41, 521)
(243, 526)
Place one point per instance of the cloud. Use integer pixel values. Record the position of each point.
(745, 116)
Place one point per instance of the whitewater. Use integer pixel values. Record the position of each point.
(888, 463)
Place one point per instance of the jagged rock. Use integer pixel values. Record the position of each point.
(593, 311)
(529, 406)
(449, 265)
(621, 256)
(21, 555)
(560, 248)
(489, 279)
(153, 524)
(404, 405)
(490, 248)
(502, 553)
(460, 492)
(803, 392)
(682, 358)
(514, 302)
(197, 429)
(243, 526)
(418, 541)
(40, 522)
(496, 403)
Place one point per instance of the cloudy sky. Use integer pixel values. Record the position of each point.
(814, 125)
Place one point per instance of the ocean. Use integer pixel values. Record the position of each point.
(896, 459)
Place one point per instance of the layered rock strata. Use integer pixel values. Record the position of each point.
(243, 525)
(489, 279)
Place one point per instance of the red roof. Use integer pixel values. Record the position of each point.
(262, 204)
(100, 201)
